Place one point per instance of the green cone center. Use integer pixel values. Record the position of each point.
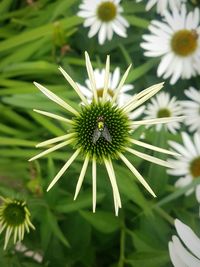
(106, 11)
(195, 167)
(184, 42)
(163, 113)
(102, 130)
(14, 214)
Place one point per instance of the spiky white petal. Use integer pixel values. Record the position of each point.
(94, 184)
(81, 176)
(51, 115)
(137, 174)
(63, 169)
(49, 150)
(55, 98)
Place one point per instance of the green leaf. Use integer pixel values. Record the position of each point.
(150, 259)
(83, 201)
(38, 32)
(46, 123)
(138, 72)
(4, 6)
(157, 174)
(14, 117)
(128, 187)
(137, 21)
(16, 142)
(52, 221)
(104, 222)
(178, 192)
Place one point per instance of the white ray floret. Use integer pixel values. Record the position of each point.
(55, 140)
(74, 85)
(49, 150)
(63, 169)
(132, 105)
(162, 5)
(55, 98)
(91, 76)
(158, 121)
(113, 182)
(137, 174)
(81, 177)
(106, 79)
(94, 184)
(155, 148)
(114, 84)
(54, 116)
(188, 255)
(150, 158)
(191, 109)
(123, 79)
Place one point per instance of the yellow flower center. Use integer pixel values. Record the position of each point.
(106, 11)
(163, 112)
(184, 42)
(100, 92)
(195, 167)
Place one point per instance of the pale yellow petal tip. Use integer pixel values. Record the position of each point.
(48, 188)
(87, 55)
(38, 145)
(161, 84)
(36, 84)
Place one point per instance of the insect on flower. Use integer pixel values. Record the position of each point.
(101, 130)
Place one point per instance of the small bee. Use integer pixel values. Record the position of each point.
(101, 130)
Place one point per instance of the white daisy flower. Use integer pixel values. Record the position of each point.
(177, 40)
(188, 165)
(162, 5)
(164, 106)
(191, 109)
(114, 79)
(103, 17)
(187, 255)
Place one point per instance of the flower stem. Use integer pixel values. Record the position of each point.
(122, 245)
(165, 215)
